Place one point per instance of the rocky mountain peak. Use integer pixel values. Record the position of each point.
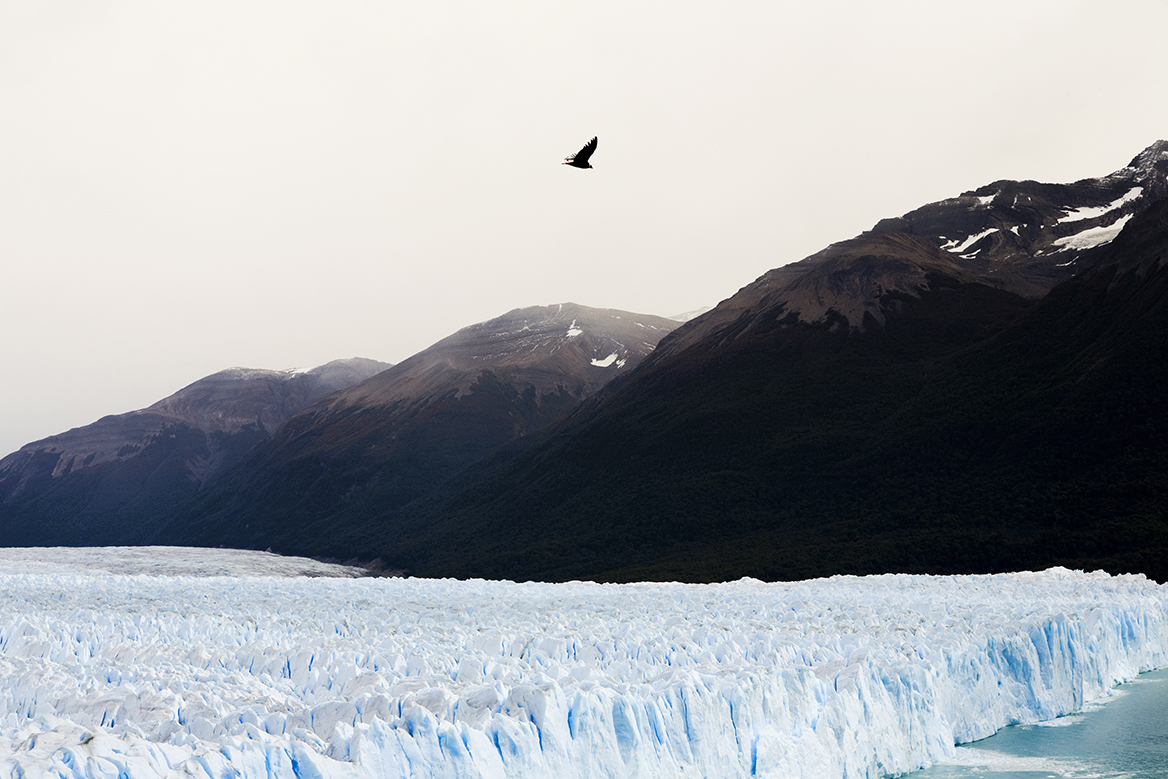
(1022, 237)
(562, 347)
(382, 444)
(235, 398)
(1151, 162)
(219, 407)
(1026, 237)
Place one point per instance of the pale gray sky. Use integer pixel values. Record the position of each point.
(190, 186)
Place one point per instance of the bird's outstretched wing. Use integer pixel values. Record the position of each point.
(580, 158)
(586, 152)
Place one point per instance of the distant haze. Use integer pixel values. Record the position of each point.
(190, 187)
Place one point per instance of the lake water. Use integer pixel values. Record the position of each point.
(1124, 736)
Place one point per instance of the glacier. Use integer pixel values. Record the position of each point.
(108, 674)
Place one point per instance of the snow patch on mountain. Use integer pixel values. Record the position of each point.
(1092, 237)
(1079, 214)
(609, 360)
(959, 247)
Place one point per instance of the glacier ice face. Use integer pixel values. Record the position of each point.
(166, 561)
(259, 676)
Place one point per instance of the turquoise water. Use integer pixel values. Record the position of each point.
(1124, 737)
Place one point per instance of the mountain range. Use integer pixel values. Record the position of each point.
(100, 483)
(241, 442)
(356, 460)
(975, 386)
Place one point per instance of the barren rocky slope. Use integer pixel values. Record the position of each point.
(98, 483)
(341, 471)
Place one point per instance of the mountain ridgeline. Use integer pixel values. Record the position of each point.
(360, 458)
(975, 386)
(239, 447)
(971, 432)
(107, 482)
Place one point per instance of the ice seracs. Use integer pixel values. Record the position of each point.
(137, 676)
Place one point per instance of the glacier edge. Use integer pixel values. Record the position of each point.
(134, 676)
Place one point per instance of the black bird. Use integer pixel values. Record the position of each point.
(580, 158)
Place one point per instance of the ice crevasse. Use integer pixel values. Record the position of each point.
(137, 676)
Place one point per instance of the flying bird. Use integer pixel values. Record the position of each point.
(580, 158)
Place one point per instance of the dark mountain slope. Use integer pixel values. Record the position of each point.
(1058, 428)
(723, 437)
(1021, 236)
(350, 464)
(103, 483)
(970, 431)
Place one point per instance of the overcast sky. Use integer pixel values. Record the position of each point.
(189, 186)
